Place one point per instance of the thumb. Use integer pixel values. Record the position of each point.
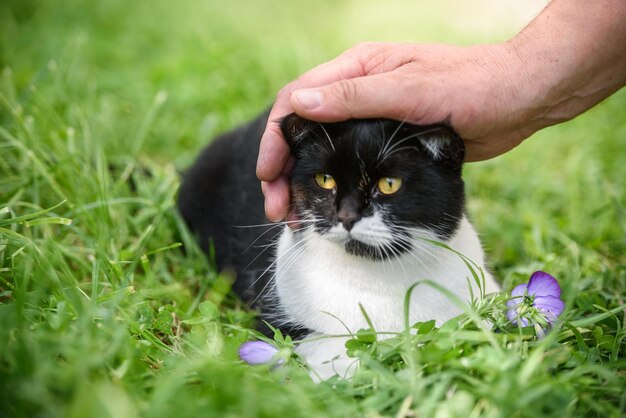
(388, 95)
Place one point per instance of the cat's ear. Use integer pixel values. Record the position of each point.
(295, 129)
(443, 144)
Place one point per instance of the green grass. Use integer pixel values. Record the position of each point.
(108, 309)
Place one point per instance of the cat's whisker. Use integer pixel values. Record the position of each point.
(268, 268)
(279, 223)
(388, 142)
(286, 264)
(423, 264)
(272, 244)
(261, 293)
(417, 250)
(395, 151)
(387, 253)
(388, 149)
(272, 266)
(327, 136)
(273, 227)
(258, 238)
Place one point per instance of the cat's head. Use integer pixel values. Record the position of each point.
(375, 186)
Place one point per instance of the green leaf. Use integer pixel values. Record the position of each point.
(209, 310)
(46, 221)
(424, 327)
(585, 322)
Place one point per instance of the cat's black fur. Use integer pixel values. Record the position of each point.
(221, 199)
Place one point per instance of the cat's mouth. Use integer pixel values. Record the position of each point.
(369, 238)
(376, 252)
(372, 251)
(354, 246)
(361, 249)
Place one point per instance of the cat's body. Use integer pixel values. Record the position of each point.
(372, 196)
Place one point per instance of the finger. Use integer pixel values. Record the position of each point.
(276, 198)
(390, 95)
(273, 151)
(293, 220)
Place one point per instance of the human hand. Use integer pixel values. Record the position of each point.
(493, 96)
(470, 89)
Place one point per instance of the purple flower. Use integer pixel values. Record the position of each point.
(537, 302)
(257, 352)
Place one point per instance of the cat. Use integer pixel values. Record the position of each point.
(371, 197)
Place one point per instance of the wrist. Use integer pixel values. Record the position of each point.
(568, 60)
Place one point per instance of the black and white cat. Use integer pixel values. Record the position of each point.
(371, 197)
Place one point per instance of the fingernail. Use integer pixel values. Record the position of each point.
(274, 218)
(309, 99)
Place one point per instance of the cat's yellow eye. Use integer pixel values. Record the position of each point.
(325, 181)
(389, 185)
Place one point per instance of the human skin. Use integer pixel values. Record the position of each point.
(568, 59)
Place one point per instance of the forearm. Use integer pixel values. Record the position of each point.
(573, 56)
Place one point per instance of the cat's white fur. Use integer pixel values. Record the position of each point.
(322, 287)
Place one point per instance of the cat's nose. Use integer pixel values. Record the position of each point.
(349, 212)
(348, 220)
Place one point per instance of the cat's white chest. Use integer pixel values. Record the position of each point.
(323, 288)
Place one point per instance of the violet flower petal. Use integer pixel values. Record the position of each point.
(257, 352)
(549, 304)
(543, 284)
(517, 297)
(513, 316)
(519, 290)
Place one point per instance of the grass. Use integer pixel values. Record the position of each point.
(108, 309)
